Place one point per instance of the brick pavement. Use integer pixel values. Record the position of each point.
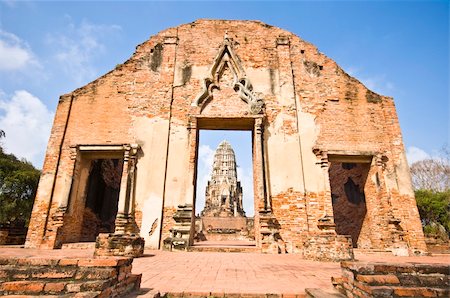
(251, 273)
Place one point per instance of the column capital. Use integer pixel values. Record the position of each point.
(259, 126)
(322, 156)
(134, 148)
(381, 160)
(130, 151)
(73, 152)
(192, 123)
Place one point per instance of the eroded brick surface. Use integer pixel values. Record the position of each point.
(313, 112)
(376, 279)
(87, 277)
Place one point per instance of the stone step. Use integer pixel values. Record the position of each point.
(245, 249)
(69, 288)
(95, 277)
(47, 287)
(15, 273)
(320, 293)
(79, 245)
(429, 280)
(383, 279)
(225, 295)
(415, 291)
(71, 295)
(362, 290)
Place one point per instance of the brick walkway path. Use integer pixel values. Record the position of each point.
(251, 273)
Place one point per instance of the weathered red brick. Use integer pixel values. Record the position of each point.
(95, 273)
(378, 279)
(414, 292)
(68, 262)
(54, 287)
(53, 273)
(23, 286)
(309, 102)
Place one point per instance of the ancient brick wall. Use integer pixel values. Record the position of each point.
(379, 279)
(312, 109)
(31, 277)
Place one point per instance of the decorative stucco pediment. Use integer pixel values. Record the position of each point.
(227, 59)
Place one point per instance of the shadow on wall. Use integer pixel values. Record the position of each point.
(347, 182)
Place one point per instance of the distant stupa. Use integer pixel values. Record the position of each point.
(223, 196)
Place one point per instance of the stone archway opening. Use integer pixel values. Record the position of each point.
(100, 194)
(348, 192)
(224, 201)
(102, 197)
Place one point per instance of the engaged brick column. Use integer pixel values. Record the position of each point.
(326, 222)
(126, 190)
(193, 140)
(124, 241)
(258, 176)
(53, 234)
(261, 203)
(58, 216)
(43, 199)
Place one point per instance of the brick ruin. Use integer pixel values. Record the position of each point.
(329, 164)
(223, 194)
(223, 217)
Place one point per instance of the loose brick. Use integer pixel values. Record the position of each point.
(378, 279)
(68, 262)
(97, 285)
(37, 262)
(95, 273)
(414, 292)
(110, 262)
(55, 287)
(73, 287)
(53, 273)
(22, 286)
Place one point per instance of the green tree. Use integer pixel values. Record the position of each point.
(18, 184)
(434, 209)
(431, 181)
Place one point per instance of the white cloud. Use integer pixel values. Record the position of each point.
(204, 168)
(15, 54)
(414, 154)
(78, 45)
(245, 175)
(206, 156)
(10, 3)
(27, 123)
(376, 83)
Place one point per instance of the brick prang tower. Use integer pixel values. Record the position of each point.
(223, 195)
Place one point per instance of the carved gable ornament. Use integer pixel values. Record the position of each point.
(226, 58)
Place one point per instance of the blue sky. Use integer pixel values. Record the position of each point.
(397, 48)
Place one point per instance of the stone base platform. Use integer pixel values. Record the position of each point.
(328, 247)
(225, 246)
(78, 245)
(119, 245)
(387, 279)
(67, 277)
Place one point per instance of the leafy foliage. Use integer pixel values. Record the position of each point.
(434, 209)
(18, 184)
